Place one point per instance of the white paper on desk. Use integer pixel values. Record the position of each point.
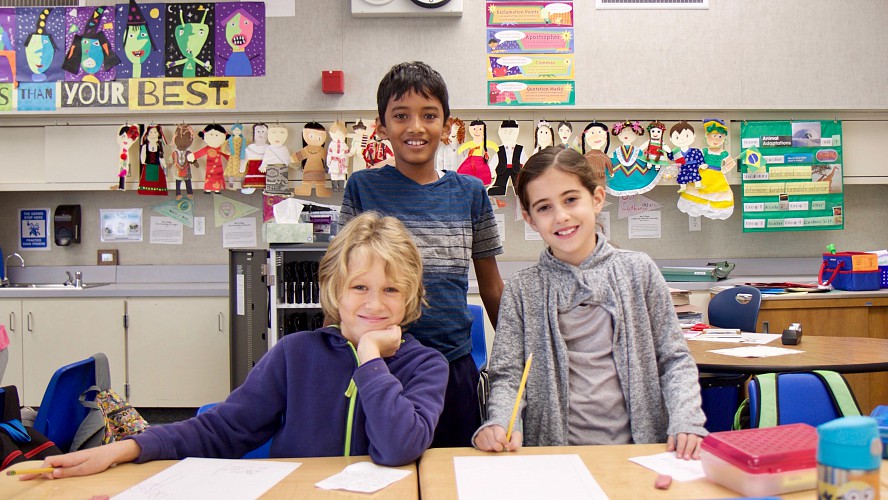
(667, 463)
(743, 338)
(518, 477)
(758, 351)
(363, 477)
(211, 478)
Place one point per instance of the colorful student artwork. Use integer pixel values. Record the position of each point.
(530, 41)
(448, 156)
(689, 159)
(629, 173)
(519, 93)
(543, 136)
(139, 30)
(235, 168)
(337, 156)
(254, 177)
(152, 179)
(91, 55)
(214, 135)
(792, 176)
(510, 158)
(530, 14)
(7, 51)
(530, 66)
(276, 161)
(359, 138)
(477, 155)
(179, 164)
(240, 39)
(714, 198)
(190, 44)
(127, 136)
(39, 44)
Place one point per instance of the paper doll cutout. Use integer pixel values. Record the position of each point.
(36, 33)
(255, 176)
(237, 148)
(448, 156)
(337, 156)
(312, 155)
(126, 137)
(276, 161)
(179, 164)
(189, 44)
(543, 136)
(152, 180)
(509, 159)
(139, 40)
(600, 163)
(656, 153)
(377, 153)
(565, 130)
(689, 160)
(90, 55)
(214, 136)
(240, 39)
(595, 137)
(714, 198)
(7, 52)
(629, 173)
(359, 137)
(475, 163)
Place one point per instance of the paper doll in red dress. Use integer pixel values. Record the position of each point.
(475, 163)
(254, 177)
(377, 153)
(313, 154)
(152, 181)
(214, 136)
(126, 137)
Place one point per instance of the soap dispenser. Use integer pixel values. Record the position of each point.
(66, 225)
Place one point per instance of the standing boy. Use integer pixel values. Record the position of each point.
(449, 216)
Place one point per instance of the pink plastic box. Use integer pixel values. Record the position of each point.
(762, 462)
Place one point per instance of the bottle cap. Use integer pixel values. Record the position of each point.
(850, 443)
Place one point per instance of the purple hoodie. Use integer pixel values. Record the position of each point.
(297, 395)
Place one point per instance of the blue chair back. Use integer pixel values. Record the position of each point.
(479, 342)
(736, 307)
(60, 412)
(263, 451)
(801, 398)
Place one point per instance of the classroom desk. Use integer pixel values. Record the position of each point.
(840, 354)
(299, 484)
(609, 465)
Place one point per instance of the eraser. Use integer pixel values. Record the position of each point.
(663, 482)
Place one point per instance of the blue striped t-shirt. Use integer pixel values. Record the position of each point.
(452, 223)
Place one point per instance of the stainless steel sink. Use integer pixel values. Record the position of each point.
(56, 286)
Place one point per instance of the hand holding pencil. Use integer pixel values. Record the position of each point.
(494, 437)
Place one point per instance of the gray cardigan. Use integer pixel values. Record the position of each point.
(657, 374)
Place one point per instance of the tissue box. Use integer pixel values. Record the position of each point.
(762, 462)
(289, 233)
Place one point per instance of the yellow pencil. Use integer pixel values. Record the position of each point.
(20, 472)
(518, 397)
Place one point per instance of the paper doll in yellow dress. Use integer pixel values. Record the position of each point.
(713, 198)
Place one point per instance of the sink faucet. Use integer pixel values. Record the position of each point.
(21, 259)
(76, 280)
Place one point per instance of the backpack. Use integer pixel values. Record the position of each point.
(766, 391)
(110, 417)
(17, 442)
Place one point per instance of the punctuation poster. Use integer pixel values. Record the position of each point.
(792, 176)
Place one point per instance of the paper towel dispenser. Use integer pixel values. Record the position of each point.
(66, 225)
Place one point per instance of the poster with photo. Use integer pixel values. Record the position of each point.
(791, 176)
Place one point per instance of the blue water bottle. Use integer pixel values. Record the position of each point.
(849, 453)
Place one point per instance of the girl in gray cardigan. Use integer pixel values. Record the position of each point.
(611, 365)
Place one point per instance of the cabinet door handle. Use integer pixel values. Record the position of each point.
(30, 322)
(221, 318)
(12, 321)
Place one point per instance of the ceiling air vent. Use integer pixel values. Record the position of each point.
(652, 4)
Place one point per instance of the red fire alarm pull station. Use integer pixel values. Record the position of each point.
(332, 82)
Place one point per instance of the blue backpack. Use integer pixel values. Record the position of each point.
(811, 397)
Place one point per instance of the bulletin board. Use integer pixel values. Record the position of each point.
(792, 176)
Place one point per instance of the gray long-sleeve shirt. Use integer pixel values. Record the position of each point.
(657, 374)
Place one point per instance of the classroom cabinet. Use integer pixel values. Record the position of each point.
(837, 317)
(178, 351)
(11, 318)
(57, 332)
